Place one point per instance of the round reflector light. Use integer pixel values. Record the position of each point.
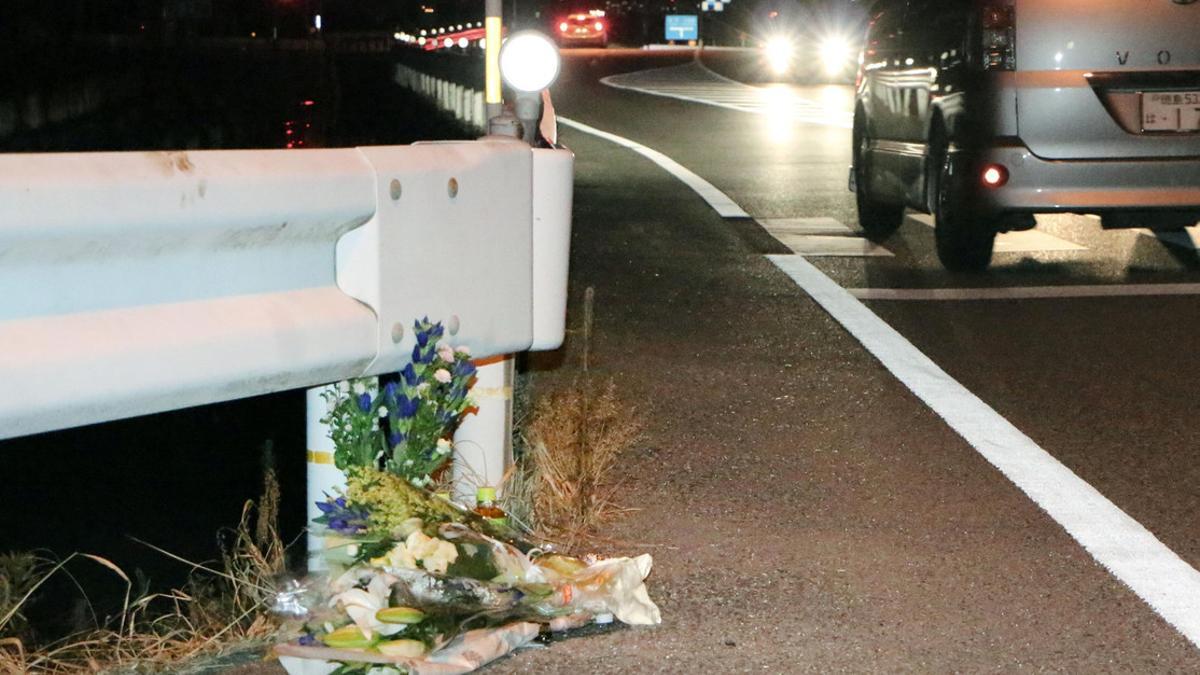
(529, 61)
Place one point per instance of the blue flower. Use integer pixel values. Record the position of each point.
(410, 375)
(307, 640)
(421, 356)
(422, 337)
(464, 369)
(364, 402)
(389, 391)
(406, 407)
(326, 507)
(397, 438)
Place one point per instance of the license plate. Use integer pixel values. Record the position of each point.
(1171, 111)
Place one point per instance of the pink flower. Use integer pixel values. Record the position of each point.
(442, 375)
(446, 353)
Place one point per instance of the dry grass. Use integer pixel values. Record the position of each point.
(575, 437)
(218, 609)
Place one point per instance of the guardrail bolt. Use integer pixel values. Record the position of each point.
(452, 188)
(397, 332)
(395, 190)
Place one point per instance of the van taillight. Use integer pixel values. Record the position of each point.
(999, 37)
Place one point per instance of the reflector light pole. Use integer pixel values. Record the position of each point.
(492, 37)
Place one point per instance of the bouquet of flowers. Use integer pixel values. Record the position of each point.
(416, 580)
(405, 428)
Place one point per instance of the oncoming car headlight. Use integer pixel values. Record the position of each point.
(779, 52)
(835, 54)
(529, 61)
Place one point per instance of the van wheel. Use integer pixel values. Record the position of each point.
(965, 238)
(877, 219)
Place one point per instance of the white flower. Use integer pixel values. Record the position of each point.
(442, 375)
(361, 606)
(359, 388)
(399, 556)
(445, 353)
(408, 462)
(435, 554)
(443, 447)
(422, 388)
(463, 349)
(343, 387)
(383, 411)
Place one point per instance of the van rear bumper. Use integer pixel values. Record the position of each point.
(1039, 185)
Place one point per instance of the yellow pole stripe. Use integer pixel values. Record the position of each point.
(491, 68)
(491, 392)
(320, 457)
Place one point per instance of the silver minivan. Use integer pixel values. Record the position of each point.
(986, 112)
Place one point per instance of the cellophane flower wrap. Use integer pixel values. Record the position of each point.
(408, 570)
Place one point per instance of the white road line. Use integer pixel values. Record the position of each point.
(817, 245)
(819, 225)
(1118, 542)
(1025, 241)
(1024, 292)
(719, 201)
(695, 83)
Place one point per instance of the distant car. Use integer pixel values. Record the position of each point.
(582, 30)
(986, 112)
(814, 41)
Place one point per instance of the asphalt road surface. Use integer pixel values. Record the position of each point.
(810, 511)
(854, 460)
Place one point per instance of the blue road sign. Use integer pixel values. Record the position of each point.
(682, 27)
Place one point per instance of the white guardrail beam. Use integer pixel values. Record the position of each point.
(135, 283)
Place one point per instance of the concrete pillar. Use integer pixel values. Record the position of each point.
(483, 442)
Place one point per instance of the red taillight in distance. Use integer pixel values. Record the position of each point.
(599, 25)
(999, 37)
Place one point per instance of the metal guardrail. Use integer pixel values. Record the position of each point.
(136, 283)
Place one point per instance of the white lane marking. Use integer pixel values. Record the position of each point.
(1188, 239)
(1025, 241)
(719, 201)
(1024, 292)
(820, 225)
(816, 245)
(1118, 542)
(695, 83)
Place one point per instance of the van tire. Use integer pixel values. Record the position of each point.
(877, 219)
(965, 238)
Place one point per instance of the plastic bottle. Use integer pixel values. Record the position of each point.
(485, 505)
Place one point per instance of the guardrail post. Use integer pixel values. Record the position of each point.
(323, 477)
(483, 442)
